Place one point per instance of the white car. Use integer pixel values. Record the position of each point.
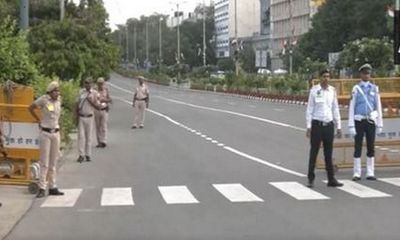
(263, 71)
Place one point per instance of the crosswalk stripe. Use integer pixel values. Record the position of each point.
(361, 191)
(177, 195)
(298, 191)
(237, 193)
(117, 197)
(394, 181)
(67, 200)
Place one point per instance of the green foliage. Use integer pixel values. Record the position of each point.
(70, 50)
(248, 59)
(339, 22)
(15, 61)
(377, 52)
(226, 64)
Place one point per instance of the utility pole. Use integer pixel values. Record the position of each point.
(160, 41)
(135, 60)
(62, 9)
(147, 42)
(291, 38)
(236, 54)
(127, 46)
(24, 14)
(204, 34)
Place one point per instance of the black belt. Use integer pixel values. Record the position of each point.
(50, 130)
(321, 123)
(143, 99)
(85, 115)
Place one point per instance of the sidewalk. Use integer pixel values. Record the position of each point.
(17, 201)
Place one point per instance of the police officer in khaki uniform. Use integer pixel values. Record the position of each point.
(49, 138)
(140, 102)
(101, 116)
(86, 105)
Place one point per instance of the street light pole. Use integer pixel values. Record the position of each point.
(236, 55)
(160, 41)
(147, 42)
(204, 34)
(291, 38)
(24, 14)
(62, 10)
(127, 46)
(135, 60)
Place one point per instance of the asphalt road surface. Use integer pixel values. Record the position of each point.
(209, 166)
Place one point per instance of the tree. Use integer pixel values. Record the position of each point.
(15, 61)
(377, 52)
(248, 59)
(339, 22)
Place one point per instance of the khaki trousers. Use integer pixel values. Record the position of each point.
(101, 120)
(140, 107)
(85, 129)
(49, 144)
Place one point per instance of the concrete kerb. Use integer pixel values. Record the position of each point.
(17, 201)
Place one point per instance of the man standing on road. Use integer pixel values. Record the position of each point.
(322, 116)
(49, 137)
(86, 104)
(365, 118)
(140, 102)
(101, 116)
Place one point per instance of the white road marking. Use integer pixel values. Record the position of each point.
(230, 149)
(298, 191)
(394, 181)
(237, 193)
(361, 191)
(117, 197)
(67, 200)
(235, 113)
(214, 141)
(177, 195)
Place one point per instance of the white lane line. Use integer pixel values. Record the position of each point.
(221, 145)
(203, 136)
(394, 181)
(198, 133)
(209, 139)
(236, 193)
(298, 191)
(177, 195)
(361, 191)
(67, 200)
(230, 149)
(214, 141)
(255, 159)
(117, 197)
(235, 113)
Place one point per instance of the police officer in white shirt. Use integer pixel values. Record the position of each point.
(322, 116)
(365, 118)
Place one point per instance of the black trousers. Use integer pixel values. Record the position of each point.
(324, 134)
(367, 128)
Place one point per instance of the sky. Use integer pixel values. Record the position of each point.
(121, 10)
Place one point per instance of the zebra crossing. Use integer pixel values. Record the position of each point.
(232, 192)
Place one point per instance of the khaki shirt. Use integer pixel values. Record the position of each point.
(103, 95)
(51, 111)
(84, 106)
(142, 92)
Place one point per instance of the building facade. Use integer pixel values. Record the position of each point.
(261, 42)
(248, 24)
(289, 20)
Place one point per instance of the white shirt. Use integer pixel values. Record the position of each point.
(323, 106)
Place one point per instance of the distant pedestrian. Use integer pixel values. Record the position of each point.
(365, 118)
(101, 115)
(322, 116)
(49, 138)
(140, 102)
(86, 105)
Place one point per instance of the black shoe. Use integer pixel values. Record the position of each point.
(334, 183)
(355, 179)
(88, 159)
(133, 127)
(310, 184)
(99, 145)
(371, 178)
(41, 193)
(80, 159)
(141, 126)
(103, 145)
(55, 192)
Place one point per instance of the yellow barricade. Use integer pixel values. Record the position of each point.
(21, 137)
(387, 154)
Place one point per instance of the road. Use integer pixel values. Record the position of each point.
(208, 166)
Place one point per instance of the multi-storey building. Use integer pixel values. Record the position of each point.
(261, 43)
(247, 14)
(289, 20)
